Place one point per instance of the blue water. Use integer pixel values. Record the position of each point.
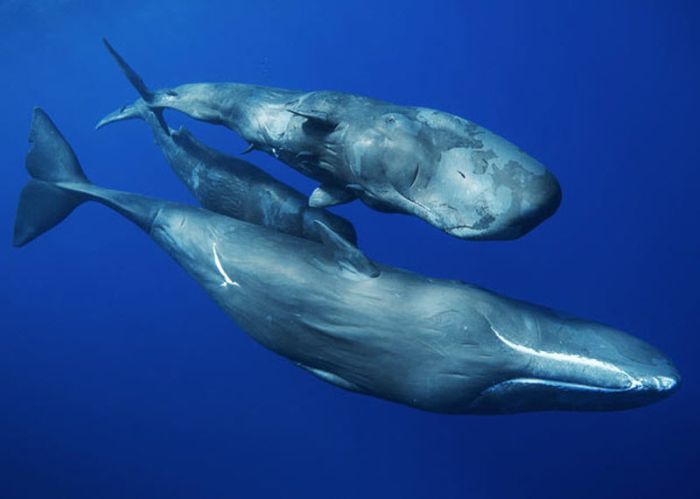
(120, 378)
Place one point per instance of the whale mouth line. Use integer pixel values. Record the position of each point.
(511, 388)
(632, 383)
(563, 385)
(658, 384)
(432, 215)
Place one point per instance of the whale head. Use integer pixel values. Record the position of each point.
(557, 363)
(455, 175)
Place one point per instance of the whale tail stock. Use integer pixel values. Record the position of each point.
(59, 185)
(140, 108)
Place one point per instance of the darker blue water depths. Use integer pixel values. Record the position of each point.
(120, 378)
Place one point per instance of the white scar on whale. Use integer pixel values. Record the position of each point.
(564, 357)
(227, 280)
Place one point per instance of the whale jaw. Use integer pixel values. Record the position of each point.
(537, 394)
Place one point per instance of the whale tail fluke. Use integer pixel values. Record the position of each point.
(50, 160)
(139, 109)
(128, 112)
(130, 74)
(59, 185)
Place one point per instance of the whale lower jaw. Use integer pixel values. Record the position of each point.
(562, 385)
(536, 394)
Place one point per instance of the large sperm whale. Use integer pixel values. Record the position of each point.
(432, 344)
(452, 173)
(236, 188)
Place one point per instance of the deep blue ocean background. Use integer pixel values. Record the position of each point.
(120, 378)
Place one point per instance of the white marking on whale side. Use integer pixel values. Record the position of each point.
(227, 280)
(567, 357)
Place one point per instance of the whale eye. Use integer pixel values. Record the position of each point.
(390, 120)
(172, 93)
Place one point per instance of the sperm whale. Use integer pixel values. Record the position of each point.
(436, 345)
(450, 172)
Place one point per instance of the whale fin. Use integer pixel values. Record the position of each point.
(328, 195)
(251, 147)
(128, 112)
(130, 74)
(141, 109)
(348, 256)
(42, 204)
(319, 121)
(331, 378)
(58, 186)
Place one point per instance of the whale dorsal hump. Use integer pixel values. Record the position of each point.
(349, 257)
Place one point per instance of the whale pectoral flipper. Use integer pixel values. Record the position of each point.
(328, 195)
(251, 147)
(348, 256)
(331, 378)
(319, 120)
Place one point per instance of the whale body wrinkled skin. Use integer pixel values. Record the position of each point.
(450, 172)
(239, 189)
(436, 345)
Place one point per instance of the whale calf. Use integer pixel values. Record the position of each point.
(236, 188)
(450, 172)
(432, 344)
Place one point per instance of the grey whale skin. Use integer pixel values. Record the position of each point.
(236, 188)
(436, 345)
(452, 173)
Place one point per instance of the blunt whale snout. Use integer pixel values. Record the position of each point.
(460, 177)
(542, 200)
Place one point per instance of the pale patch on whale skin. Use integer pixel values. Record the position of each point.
(227, 280)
